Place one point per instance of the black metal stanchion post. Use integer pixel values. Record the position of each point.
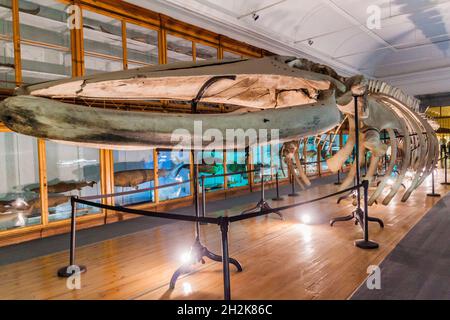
(278, 197)
(224, 223)
(338, 182)
(293, 193)
(433, 193)
(357, 213)
(445, 183)
(262, 203)
(203, 198)
(366, 243)
(71, 269)
(198, 251)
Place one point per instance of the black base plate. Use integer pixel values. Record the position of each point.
(433, 195)
(363, 244)
(62, 272)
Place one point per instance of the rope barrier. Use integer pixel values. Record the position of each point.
(175, 216)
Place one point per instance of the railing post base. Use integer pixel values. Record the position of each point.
(66, 272)
(363, 244)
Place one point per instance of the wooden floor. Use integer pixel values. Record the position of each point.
(286, 259)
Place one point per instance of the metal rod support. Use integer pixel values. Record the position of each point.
(225, 259)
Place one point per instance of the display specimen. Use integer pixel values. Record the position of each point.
(296, 97)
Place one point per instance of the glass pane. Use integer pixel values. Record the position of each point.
(173, 167)
(133, 170)
(211, 164)
(325, 142)
(102, 43)
(237, 162)
(7, 72)
(261, 155)
(19, 173)
(349, 161)
(44, 23)
(230, 55)
(142, 46)
(277, 163)
(203, 52)
(311, 156)
(178, 49)
(71, 171)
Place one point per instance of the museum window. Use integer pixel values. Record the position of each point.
(102, 43)
(49, 58)
(71, 171)
(237, 163)
(7, 68)
(173, 167)
(309, 150)
(204, 52)
(134, 170)
(278, 162)
(142, 46)
(178, 49)
(262, 156)
(210, 165)
(227, 55)
(20, 204)
(324, 147)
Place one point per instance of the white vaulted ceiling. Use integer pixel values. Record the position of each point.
(411, 50)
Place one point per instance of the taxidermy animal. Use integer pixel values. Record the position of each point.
(133, 178)
(297, 97)
(67, 186)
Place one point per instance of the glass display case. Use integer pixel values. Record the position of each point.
(325, 142)
(71, 171)
(49, 58)
(203, 52)
(102, 43)
(7, 70)
(237, 162)
(19, 176)
(178, 49)
(349, 160)
(278, 164)
(262, 156)
(310, 153)
(210, 164)
(142, 46)
(173, 167)
(134, 170)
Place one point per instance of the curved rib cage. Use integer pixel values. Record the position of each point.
(298, 97)
(413, 144)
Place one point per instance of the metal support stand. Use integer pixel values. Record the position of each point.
(262, 203)
(366, 243)
(198, 251)
(445, 183)
(293, 193)
(278, 197)
(72, 268)
(433, 194)
(224, 223)
(338, 182)
(358, 213)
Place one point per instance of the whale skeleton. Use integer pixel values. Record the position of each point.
(296, 97)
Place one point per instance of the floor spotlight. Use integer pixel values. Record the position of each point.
(306, 219)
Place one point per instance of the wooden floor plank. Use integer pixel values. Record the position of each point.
(282, 259)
